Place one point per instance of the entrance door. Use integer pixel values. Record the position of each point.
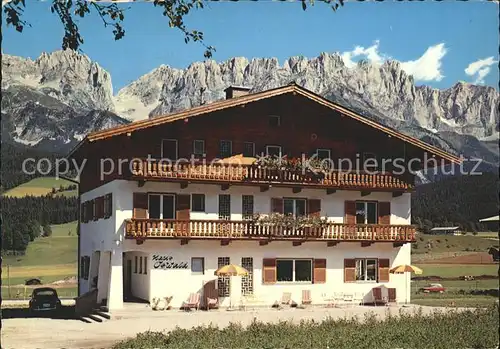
(127, 280)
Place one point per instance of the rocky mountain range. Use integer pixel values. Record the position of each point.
(53, 101)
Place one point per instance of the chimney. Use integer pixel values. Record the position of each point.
(236, 91)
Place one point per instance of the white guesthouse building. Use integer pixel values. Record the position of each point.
(158, 228)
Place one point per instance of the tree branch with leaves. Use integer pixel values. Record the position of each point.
(113, 15)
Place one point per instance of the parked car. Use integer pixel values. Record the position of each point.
(44, 299)
(433, 288)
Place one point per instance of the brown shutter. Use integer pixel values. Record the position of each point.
(276, 205)
(268, 270)
(82, 212)
(349, 270)
(384, 213)
(350, 212)
(100, 207)
(109, 205)
(319, 271)
(383, 270)
(95, 214)
(183, 205)
(140, 203)
(314, 208)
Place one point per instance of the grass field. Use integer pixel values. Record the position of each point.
(454, 270)
(446, 244)
(48, 259)
(40, 186)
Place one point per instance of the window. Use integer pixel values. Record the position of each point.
(294, 207)
(198, 202)
(169, 149)
(161, 206)
(247, 280)
(84, 267)
(366, 212)
(199, 147)
(366, 269)
(247, 207)
(140, 265)
(223, 282)
(198, 265)
(323, 154)
(294, 270)
(369, 162)
(273, 150)
(224, 206)
(225, 149)
(249, 149)
(136, 264)
(108, 205)
(274, 120)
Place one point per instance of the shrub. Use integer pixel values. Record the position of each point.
(439, 330)
(474, 233)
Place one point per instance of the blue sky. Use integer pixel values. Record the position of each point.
(439, 43)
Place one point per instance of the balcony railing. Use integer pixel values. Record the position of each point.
(206, 229)
(251, 174)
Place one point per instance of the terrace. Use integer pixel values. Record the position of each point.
(264, 176)
(226, 230)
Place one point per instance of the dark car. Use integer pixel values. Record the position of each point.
(44, 299)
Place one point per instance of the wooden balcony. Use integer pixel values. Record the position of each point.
(142, 229)
(253, 175)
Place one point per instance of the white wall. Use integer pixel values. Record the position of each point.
(140, 280)
(108, 235)
(180, 283)
(332, 205)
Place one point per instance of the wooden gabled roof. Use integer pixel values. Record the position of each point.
(238, 101)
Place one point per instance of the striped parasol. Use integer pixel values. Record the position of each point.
(403, 269)
(231, 270)
(406, 268)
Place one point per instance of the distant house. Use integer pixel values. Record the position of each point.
(491, 223)
(494, 253)
(446, 231)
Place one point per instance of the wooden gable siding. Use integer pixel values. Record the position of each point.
(305, 127)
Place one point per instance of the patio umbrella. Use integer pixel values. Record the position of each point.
(406, 268)
(231, 270)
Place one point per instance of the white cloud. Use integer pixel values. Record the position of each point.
(370, 53)
(428, 66)
(425, 68)
(480, 68)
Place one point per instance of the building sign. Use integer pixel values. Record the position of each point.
(167, 262)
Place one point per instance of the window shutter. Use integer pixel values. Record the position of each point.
(82, 212)
(383, 270)
(95, 208)
(109, 205)
(268, 271)
(384, 213)
(140, 203)
(314, 208)
(319, 271)
(350, 212)
(100, 207)
(183, 206)
(276, 205)
(349, 270)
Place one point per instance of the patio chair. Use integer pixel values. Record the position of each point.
(286, 299)
(192, 302)
(359, 298)
(306, 297)
(348, 298)
(212, 303)
(377, 296)
(338, 298)
(391, 299)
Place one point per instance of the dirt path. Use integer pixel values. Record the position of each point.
(52, 333)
